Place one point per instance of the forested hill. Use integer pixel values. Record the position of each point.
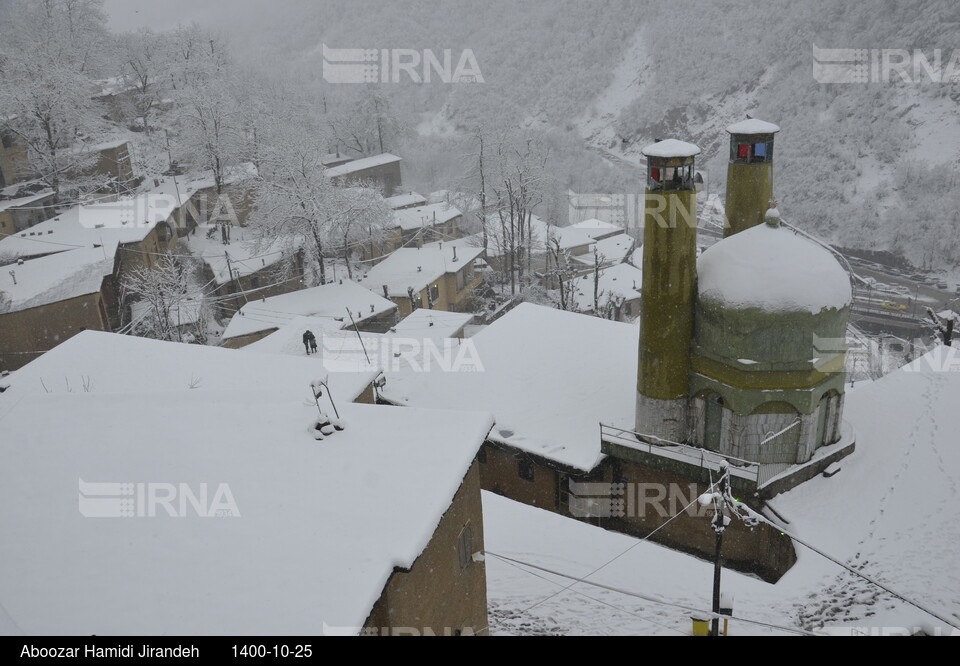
(870, 164)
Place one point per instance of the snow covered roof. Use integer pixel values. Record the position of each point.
(417, 267)
(54, 278)
(409, 219)
(774, 269)
(593, 224)
(548, 376)
(405, 200)
(753, 126)
(426, 323)
(116, 363)
(621, 280)
(6, 204)
(361, 164)
(318, 528)
(128, 220)
(338, 350)
(671, 148)
(328, 303)
(246, 255)
(612, 249)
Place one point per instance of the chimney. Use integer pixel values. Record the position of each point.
(419, 269)
(13, 274)
(454, 252)
(385, 293)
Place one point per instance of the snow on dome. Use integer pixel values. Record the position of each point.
(774, 269)
(753, 126)
(671, 148)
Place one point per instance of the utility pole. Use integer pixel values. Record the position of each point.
(720, 521)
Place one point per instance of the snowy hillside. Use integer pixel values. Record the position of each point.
(868, 165)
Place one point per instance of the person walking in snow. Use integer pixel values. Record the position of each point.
(313, 342)
(306, 340)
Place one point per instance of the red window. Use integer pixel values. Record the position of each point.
(655, 174)
(743, 150)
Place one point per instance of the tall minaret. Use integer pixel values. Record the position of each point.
(669, 290)
(749, 174)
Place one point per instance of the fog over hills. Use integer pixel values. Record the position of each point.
(872, 165)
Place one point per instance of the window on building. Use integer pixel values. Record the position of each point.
(743, 150)
(759, 149)
(482, 455)
(525, 469)
(465, 546)
(662, 178)
(434, 293)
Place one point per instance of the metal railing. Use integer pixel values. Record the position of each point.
(693, 455)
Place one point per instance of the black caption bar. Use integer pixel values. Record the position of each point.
(97, 648)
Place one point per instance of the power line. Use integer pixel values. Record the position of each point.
(632, 546)
(651, 599)
(514, 564)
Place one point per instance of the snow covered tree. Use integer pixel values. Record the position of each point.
(165, 289)
(209, 128)
(363, 122)
(145, 60)
(295, 200)
(48, 52)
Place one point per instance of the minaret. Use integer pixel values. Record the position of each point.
(669, 290)
(749, 174)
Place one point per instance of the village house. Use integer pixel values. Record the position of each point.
(438, 277)
(14, 161)
(612, 293)
(426, 323)
(240, 269)
(333, 304)
(47, 300)
(266, 476)
(382, 170)
(21, 208)
(140, 228)
(112, 161)
(415, 227)
(408, 200)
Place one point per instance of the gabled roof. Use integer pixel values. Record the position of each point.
(426, 323)
(309, 534)
(128, 220)
(363, 163)
(621, 280)
(328, 302)
(417, 268)
(54, 278)
(549, 377)
(429, 215)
